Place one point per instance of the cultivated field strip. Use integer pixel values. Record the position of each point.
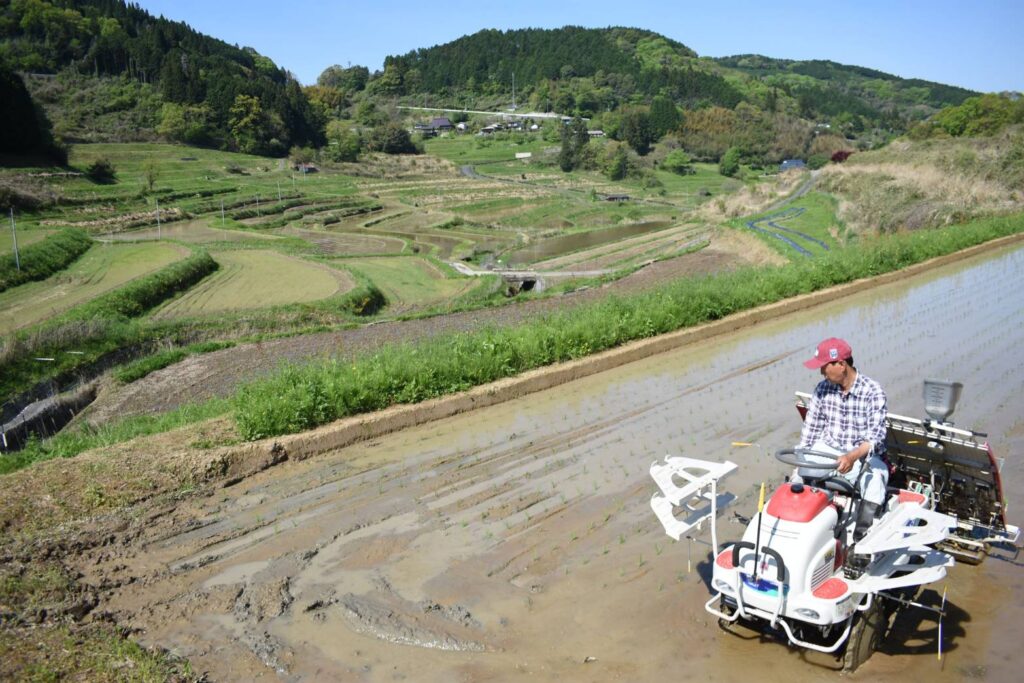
(25, 238)
(201, 231)
(103, 268)
(661, 243)
(347, 244)
(252, 279)
(412, 281)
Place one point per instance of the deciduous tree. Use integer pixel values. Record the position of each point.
(730, 164)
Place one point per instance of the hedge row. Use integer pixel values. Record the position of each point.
(138, 296)
(340, 209)
(42, 259)
(236, 203)
(300, 398)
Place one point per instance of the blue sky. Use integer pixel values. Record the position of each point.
(976, 44)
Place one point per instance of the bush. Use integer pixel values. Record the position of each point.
(729, 166)
(650, 181)
(392, 139)
(618, 164)
(816, 161)
(102, 171)
(678, 162)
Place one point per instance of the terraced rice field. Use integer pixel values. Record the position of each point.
(419, 228)
(253, 279)
(103, 268)
(346, 243)
(629, 252)
(412, 281)
(192, 232)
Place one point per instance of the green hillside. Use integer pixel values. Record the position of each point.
(188, 86)
(575, 70)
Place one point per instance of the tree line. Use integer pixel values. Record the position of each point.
(214, 93)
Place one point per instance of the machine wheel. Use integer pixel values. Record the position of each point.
(725, 608)
(866, 634)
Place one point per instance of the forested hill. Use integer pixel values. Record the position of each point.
(220, 94)
(815, 79)
(622, 60)
(587, 71)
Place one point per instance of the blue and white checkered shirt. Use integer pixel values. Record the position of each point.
(845, 421)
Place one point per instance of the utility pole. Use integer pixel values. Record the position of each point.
(159, 232)
(258, 204)
(222, 213)
(513, 91)
(278, 190)
(14, 236)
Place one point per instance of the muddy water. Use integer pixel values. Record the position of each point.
(516, 542)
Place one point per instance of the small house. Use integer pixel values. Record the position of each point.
(424, 130)
(790, 164)
(441, 124)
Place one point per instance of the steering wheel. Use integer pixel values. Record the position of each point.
(824, 474)
(801, 457)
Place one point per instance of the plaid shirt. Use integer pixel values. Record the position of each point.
(844, 421)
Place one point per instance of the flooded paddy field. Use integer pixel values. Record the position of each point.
(516, 542)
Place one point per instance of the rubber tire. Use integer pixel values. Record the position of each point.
(725, 608)
(866, 634)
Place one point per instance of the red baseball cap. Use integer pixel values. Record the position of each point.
(829, 351)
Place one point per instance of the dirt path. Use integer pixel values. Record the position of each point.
(516, 543)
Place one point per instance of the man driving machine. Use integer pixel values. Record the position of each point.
(846, 417)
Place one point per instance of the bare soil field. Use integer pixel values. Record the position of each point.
(515, 542)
